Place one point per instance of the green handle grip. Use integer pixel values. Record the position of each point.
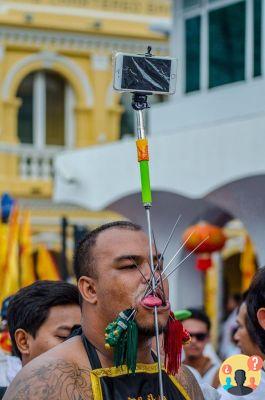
(145, 182)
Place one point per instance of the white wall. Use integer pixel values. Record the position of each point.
(237, 101)
(191, 163)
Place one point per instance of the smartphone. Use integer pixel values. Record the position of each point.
(144, 74)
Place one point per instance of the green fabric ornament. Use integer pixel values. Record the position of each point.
(122, 335)
(132, 346)
(181, 315)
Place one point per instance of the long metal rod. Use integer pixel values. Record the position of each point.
(141, 135)
(177, 266)
(159, 270)
(140, 124)
(162, 255)
(185, 258)
(169, 238)
(161, 390)
(159, 280)
(175, 255)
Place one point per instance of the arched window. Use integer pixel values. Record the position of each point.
(46, 116)
(25, 114)
(127, 118)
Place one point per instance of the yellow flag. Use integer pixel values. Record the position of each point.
(46, 266)
(247, 264)
(11, 279)
(26, 257)
(4, 228)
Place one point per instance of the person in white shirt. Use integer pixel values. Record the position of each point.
(245, 339)
(39, 317)
(198, 325)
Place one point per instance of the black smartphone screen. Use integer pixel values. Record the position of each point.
(146, 73)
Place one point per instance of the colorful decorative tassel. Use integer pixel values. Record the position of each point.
(122, 335)
(132, 346)
(174, 337)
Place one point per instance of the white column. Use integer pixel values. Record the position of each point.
(249, 40)
(263, 38)
(23, 166)
(178, 47)
(204, 49)
(39, 110)
(69, 118)
(2, 52)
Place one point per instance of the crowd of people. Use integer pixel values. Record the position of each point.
(57, 330)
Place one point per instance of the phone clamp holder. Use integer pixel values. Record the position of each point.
(139, 101)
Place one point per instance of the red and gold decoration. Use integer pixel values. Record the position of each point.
(175, 336)
(212, 239)
(5, 342)
(17, 267)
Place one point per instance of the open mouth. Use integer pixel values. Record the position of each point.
(156, 299)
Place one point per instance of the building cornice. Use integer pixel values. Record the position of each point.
(138, 10)
(77, 41)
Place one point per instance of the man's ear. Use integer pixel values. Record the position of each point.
(87, 288)
(261, 317)
(22, 341)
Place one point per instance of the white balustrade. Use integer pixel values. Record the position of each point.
(32, 163)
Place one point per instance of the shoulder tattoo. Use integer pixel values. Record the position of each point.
(190, 384)
(55, 380)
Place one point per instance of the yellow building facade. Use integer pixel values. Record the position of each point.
(56, 85)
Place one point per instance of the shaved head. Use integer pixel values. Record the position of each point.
(84, 260)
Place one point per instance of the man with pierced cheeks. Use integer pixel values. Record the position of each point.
(106, 266)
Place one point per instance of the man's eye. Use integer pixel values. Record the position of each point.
(159, 267)
(129, 266)
(63, 338)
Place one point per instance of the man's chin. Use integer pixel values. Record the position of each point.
(148, 330)
(145, 322)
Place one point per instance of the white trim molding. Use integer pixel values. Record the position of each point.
(84, 11)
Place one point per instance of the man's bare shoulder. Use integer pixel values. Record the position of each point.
(188, 381)
(50, 377)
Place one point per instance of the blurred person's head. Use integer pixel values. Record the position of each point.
(40, 316)
(3, 313)
(256, 307)
(198, 325)
(245, 335)
(107, 264)
(233, 301)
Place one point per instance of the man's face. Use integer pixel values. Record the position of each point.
(241, 336)
(55, 329)
(199, 337)
(119, 283)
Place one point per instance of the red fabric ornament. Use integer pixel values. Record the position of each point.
(203, 262)
(186, 337)
(173, 338)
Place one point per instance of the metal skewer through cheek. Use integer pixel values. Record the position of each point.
(160, 279)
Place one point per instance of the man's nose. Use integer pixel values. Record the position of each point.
(193, 339)
(147, 272)
(235, 337)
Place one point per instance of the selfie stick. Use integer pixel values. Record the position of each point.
(139, 103)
